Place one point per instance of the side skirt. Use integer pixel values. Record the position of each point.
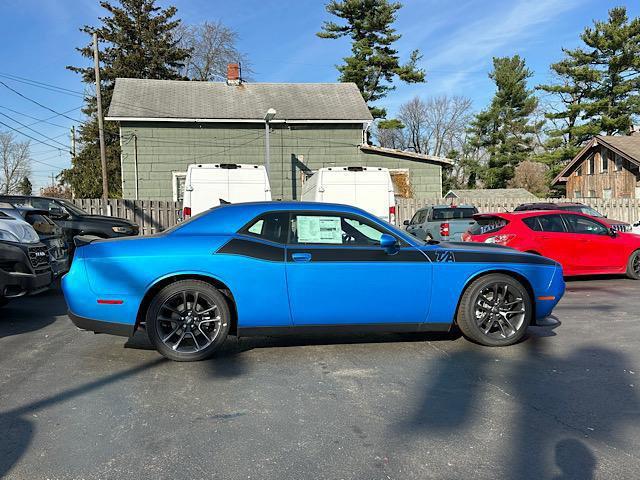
(343, 329)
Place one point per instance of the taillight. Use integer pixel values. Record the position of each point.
(186, 212)
(392, 214)
(500, 239)
(444, 229)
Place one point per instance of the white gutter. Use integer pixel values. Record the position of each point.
(226, 120)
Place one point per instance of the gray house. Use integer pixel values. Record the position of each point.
(166, 125)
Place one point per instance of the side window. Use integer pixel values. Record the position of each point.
(584, 225)
(415, 218)
(532, 223)
(317, 229)
(423, 216)
(552, 223)
(271, 226)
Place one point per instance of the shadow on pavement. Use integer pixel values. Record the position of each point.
(553, 397)
(17, 430)
(26, 314)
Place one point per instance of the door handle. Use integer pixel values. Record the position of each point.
(301, 257)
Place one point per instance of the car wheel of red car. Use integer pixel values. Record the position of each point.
(495, 310)
(188, 320)
(633, 266)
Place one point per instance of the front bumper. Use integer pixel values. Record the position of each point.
(97, 326)
(23, 269)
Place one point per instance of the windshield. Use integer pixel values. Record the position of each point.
(454, 213)
(71, 207)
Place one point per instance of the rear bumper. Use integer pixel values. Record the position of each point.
(98, 326)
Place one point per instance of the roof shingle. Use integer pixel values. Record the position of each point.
(178, 99)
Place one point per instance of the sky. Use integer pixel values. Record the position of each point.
(457, 39)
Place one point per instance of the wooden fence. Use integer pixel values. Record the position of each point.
(151, 215)
(625, 209)
(154, 215)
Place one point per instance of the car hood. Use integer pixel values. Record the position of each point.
(109, 220)
(481, 253)
(611, 221)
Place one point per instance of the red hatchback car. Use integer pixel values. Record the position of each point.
(582, 244)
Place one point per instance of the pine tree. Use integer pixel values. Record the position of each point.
(373, 63)
(138, 40)
(25, 187)
(597, 89)
(505, 131)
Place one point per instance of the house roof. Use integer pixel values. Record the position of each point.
(625, 146)
(491, 193)
(179, 100)
(391, 152)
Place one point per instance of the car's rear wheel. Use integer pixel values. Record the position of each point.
(633, 265)
(188, 320)
(495, 310)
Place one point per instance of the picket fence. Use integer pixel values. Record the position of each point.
(152, 216)
(625, 209)
(155, 215)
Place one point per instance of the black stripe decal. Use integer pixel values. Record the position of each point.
(343, 329)
(345, 254)
(490, 257)
(249, 248)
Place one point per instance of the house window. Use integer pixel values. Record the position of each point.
(577, 193)
(178, 181)
(592, 194)
(592, 165)
(606, 193)
(605, 161)
(618, 163)
(579, 171)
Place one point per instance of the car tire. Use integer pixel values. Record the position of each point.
(486, 317)
(188, 320)
(633, 265)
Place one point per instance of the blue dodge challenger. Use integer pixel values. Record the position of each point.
(273, 268)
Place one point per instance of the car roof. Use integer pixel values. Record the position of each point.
(545, 204)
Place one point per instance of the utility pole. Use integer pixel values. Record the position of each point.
(73, 141)
(103, 155)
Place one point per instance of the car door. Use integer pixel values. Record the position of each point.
(552, 239)
(415, 224)
(337, 273)
(595, 248)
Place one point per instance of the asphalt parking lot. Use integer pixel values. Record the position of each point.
(563, 404)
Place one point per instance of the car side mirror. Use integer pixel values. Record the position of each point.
(406, 222)
(613, 233)
(389, 243)
(58, 213)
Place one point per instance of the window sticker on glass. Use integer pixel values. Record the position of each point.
(319, 229)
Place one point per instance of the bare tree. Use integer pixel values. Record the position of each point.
(437, 125)
(14, 162)
(531, 176)
(213, 47)
(390, 134)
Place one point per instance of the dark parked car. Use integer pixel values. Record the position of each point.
(50, 234)
(73, 220)
(24, 260)
(618, 225)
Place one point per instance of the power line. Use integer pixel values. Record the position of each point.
(46, 86)
(38, 103)
(32, 138)
(38, 120)
(33, 130)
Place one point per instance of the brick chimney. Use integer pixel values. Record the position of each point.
(233, 74)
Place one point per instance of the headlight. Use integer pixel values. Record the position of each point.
(8, 236)
(121, 229)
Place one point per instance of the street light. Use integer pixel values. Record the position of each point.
(267, 118)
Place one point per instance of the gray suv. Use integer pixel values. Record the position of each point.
(441, 222)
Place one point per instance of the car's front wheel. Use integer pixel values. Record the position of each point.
(188, 320)
(495, 310)
(633, 266)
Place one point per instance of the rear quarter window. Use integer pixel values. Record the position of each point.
(488, 225)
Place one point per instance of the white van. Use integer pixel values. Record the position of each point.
(369, 188)
(209, 185)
